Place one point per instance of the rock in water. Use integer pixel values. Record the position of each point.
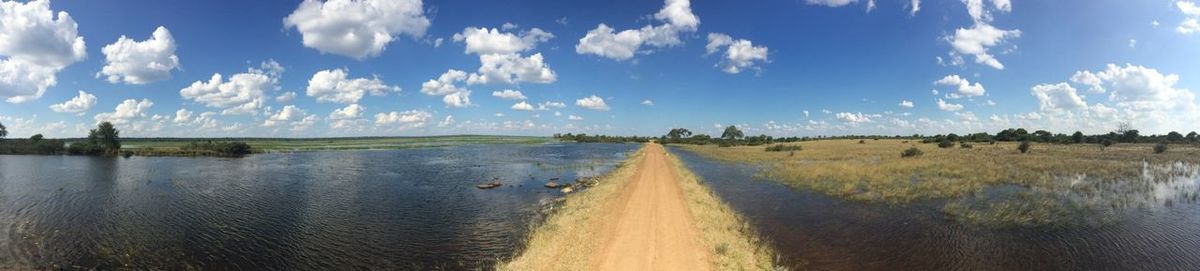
(553, 184)
(567, 190)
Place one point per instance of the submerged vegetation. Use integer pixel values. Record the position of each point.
(1052, 184)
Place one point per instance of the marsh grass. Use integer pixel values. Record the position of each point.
(735, 243)
(874, 173)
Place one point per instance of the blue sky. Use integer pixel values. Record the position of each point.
(808, 67)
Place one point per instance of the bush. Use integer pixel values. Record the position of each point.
(964, 145)
(911, 152)
(220, 148)
(945, 144)
(85, 148)
(1107, 142)
(783, 148)
(1024, 147)
(860, 141)
(1160, 148)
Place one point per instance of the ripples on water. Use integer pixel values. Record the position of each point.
(396, 209)
(814, 231)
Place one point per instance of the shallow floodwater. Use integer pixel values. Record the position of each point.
(395, 209)
(814, 231)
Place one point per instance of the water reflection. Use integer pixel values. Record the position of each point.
(814, 231)
(397, 209)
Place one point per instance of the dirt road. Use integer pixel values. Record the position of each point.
(650, 227)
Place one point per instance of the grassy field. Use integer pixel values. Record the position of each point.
(1049, 185)
(150, 145)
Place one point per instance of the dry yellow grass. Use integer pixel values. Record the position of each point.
(734, 242)
(875, 172)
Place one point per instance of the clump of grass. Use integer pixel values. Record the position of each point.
(860, 141)
(1160, 147)
(911, 152)
(1023, 147)
(945, 144)
(964, 145)
(783, 148)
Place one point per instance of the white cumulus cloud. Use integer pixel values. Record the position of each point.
(739, 54)
(944, 106)
(126, 112)
(78, 105)
(509, 94)
(403, 120)
(356, 28)
(335, 86)
(906, 104)
(962, 85)
(603, 41)
(140, 62)
(242, 93)
(1191, 13)
(592, 102)
(352, 111)
(523, 106)
(35, 44)
(484, 41)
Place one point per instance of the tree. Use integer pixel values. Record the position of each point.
(1191, 137)
(36, 138)
(106, 137)
(679, 133)
(1174, 137)
(3, 131)
(1024, 147)
(732, 133)
(1077, 137)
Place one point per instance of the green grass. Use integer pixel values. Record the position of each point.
(168, 145)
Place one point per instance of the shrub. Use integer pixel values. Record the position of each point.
(1160, 148)
(964, 145)
(945, 144)
(911, 152)
(860, 141)
(85, 148)
(1107, 142)
(783, 148)
(1024, 147)
(221, 148)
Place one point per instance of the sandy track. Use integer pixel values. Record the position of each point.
(650, 227)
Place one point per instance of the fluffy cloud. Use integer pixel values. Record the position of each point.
(906, 104)
(592, 102)
(512, 68)
(403, 120)
(574, 118)
(78, 105)
(140, 62)
(444, 84)
(356, 28)
(183, 115)
(546, 106)
(243, 93)
(334, 86)
(289, 113)
(523, 106)
(449, 120)
(352, 111)
(509, 94)
(1191, 13)
(647, 102)
(1059, 96)
(962, 85)
(126, 112)
(484, 41)
(977, 40)
(944, 106)
(854, 117)
(605, 42)
(916, 6)
(739, 55)
(286, 97)
(458, 99)
(35, 44)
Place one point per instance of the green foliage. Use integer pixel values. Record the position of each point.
(1107, 142)
(1160, 147)
(3, 131)
(36, 137)
(1024, 147)
(34, 145)
(1174, 137)
(732, 133)
(85, 148)
(783, 148)
(585, 138)
(1077, 137)
(232, 149)
(911, 152)
(106, 137)
(678, 133)
(946, 143)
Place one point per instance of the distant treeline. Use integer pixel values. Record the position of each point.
(732, 136)
(106, 140)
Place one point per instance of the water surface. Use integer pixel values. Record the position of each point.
(395, 209)
(814, 231)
